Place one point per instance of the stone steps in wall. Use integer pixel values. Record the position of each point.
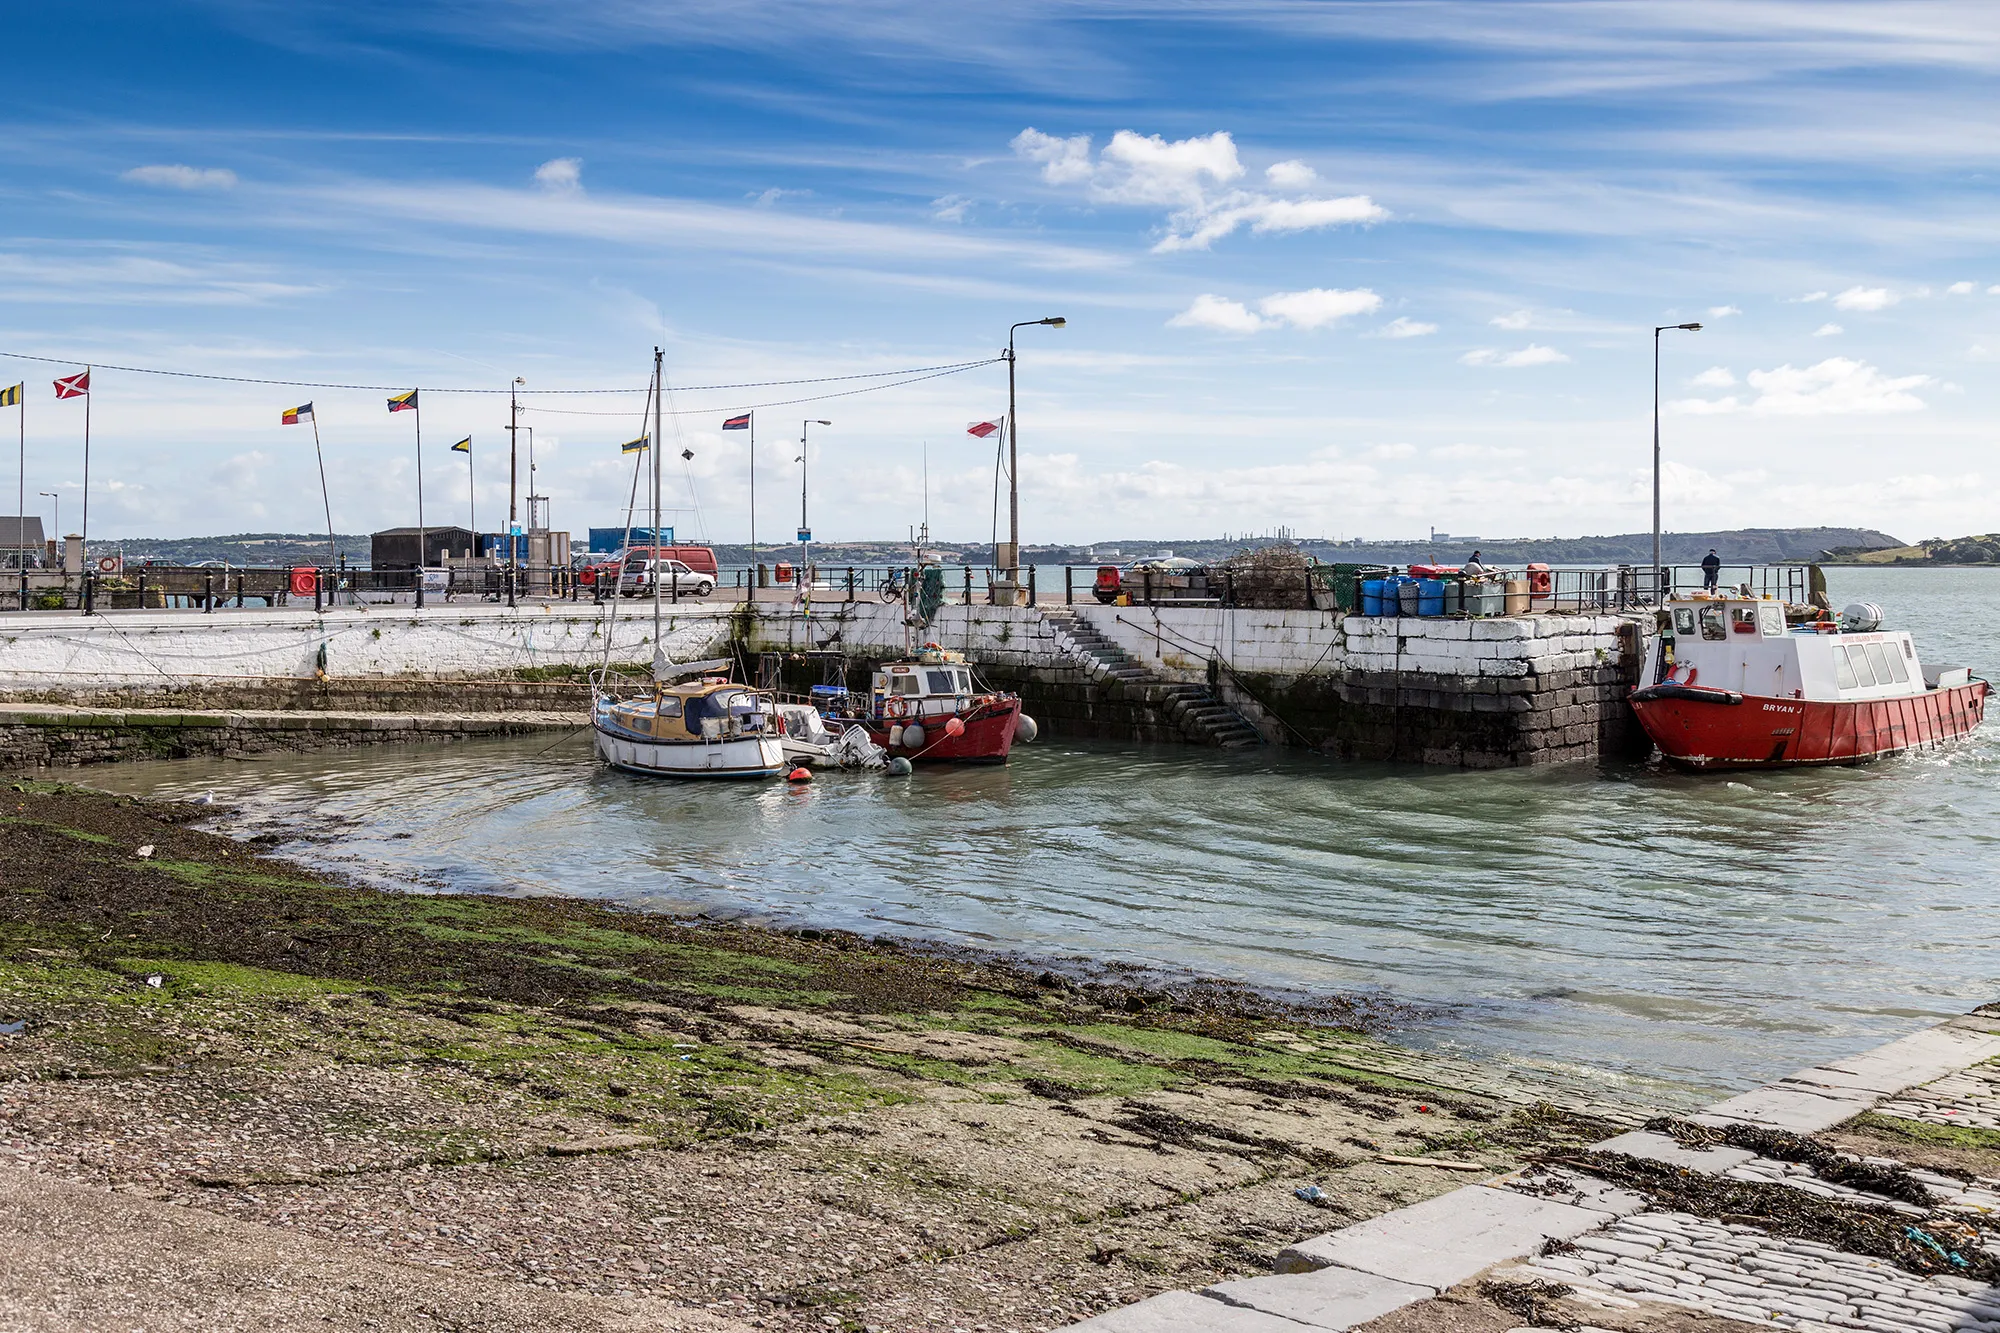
(1200, 716)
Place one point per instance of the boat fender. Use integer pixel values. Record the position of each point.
(1025, 729)
(954, 726)
(895, 735)
(1667, 689)
(799, 774)
(913, 736)
(899, 767)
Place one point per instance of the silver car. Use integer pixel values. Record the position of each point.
(637, 581)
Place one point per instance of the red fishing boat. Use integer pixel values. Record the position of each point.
(932, 710)
(1733, 685)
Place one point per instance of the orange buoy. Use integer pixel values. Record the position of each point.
(800, 774)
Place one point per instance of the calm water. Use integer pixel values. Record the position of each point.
(1697, 930)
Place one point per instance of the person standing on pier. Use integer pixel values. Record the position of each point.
(1711, 570)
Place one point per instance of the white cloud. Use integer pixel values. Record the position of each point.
(1994, 290)
(1715, 377)
(1317, 307)
(1192, 176)
(1865, 298)
(1520, 319)
(183, 178)
(1064, 161)
(951, 208)
(1218, 313)
(1393, 451)
(1292, 175)
(560, 175)
(1836, 386)
(1402, 326)
(1810, 297)
(1313, 308)
(1723, 311)
(1962, 288)
(1534, 354)
(1828, 331)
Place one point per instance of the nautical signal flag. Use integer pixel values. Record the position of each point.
(737, 423)
(404, 402)
(12, 397)
(464, 446)
(294, 415)
(638, 446)
(74, 386)
(985, 428)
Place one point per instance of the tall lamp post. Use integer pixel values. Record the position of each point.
(805, 529)
(1013, 561)
(1659, 572)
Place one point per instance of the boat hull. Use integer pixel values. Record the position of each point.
(1706, 729)
(744, 757)
(988, 737)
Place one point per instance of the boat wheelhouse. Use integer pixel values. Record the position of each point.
(1735, 684)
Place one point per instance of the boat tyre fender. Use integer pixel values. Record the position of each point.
(1693, 693)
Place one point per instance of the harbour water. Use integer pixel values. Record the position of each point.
(1708, 932)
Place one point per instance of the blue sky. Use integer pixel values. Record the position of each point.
(1361, 269)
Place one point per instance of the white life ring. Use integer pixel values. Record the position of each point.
(896, 706)
(108, 564)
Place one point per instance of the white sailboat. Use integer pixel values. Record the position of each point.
(708, 727)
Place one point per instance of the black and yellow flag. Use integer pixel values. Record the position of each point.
(11, 397)
(464, 446)
(637, 446)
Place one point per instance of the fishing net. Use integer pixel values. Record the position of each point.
(930, 597)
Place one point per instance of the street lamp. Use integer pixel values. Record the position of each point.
(805, 531)
(1013, 560)
(1658, 570)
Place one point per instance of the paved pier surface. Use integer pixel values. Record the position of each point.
(1620, 1253)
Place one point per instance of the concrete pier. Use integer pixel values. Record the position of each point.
(1482, 693)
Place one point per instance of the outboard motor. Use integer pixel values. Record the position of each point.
(1860, 617)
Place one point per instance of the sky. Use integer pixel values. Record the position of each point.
(1357, 269)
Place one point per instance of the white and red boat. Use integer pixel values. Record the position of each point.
(931, 710)
(1732, 685)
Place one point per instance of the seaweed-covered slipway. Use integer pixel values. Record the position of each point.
(241, 1094)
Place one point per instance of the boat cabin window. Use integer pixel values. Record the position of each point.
(1771, 619)
(1880, 661)
(669, 707)
(718, 705)
(965, 682)
(1743, 619)
(1896, 663)
(1843, 670)
(941, 682)
(1711, 623)
(1864, 672)
(1684, 620)
(905, 685)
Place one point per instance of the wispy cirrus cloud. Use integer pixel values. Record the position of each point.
(178, 177)
(1195, 177)
(1534, 354)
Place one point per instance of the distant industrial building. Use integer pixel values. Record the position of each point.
(19, 536)
(396, 548)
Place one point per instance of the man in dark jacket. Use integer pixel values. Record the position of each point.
(1711, 570)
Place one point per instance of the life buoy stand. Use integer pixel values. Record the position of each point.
(896, 706)
(305, 580)
(108, 564)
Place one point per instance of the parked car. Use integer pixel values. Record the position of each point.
(680, 580)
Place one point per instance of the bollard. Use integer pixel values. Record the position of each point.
(420, 586)
(239, 590)
(1069, 587)
(1229, 588)
(1031, 585)
(24, 587)
(89, 593)
(507, 578)
(318, 603)
(1146, 584)
(142, 587)
(850, 583)
(208, 591)
(968, 585)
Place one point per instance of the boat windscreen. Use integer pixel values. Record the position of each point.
(718, 705)
(1843, 670)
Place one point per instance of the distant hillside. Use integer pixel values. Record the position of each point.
(243, 548)
(1977, 550)
(1741, 546)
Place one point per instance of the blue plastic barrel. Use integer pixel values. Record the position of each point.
(1430, 597)
(1371, 597)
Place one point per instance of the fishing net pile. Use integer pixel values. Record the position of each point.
(1272, 578)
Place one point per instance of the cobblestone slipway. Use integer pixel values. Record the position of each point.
(1620, 1253)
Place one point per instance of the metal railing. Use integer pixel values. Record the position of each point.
(1320, 587)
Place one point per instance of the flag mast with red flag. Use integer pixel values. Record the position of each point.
(78, 386)
(748, 421)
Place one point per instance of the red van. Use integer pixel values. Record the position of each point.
(700, 559)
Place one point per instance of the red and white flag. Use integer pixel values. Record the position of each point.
(74, 386)
(985, 428)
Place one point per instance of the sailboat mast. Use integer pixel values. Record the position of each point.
(659, 649)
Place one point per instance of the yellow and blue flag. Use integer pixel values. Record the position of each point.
(638, 446)
(464, 446)
(12, 397)
(404, 402)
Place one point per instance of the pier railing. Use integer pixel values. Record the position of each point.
(1335, 588)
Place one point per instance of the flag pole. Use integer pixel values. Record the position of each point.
(471, 498)
(85, 534)
(21, 507)
(332, 555)
(423, 538)
(751, 578)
